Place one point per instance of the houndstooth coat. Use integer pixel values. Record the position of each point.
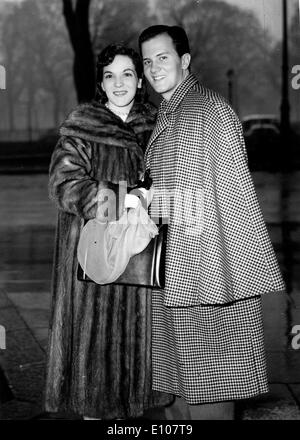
(218, 246)
(219, 257)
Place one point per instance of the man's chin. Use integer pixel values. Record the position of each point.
(158, 88)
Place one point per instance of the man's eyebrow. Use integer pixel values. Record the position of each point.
(163, 53)
(158, 54)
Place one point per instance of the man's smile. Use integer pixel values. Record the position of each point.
(158, 78)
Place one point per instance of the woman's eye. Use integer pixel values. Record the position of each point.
(107, 76)
(128, 74)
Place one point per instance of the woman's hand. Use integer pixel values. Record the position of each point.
(143, 195)
(131, 201)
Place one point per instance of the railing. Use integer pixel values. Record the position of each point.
(22, 135)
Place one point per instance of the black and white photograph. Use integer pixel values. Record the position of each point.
(150, 213)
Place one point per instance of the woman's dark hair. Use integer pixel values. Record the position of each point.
(176, 33)
(106, 57)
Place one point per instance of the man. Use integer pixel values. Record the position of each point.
(208, 347)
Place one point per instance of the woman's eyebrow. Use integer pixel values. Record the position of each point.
(128, 68)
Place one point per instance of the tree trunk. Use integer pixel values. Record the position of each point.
(56, 110)
(10, 100)
(77, 21)
(29, 118)
(11, 111)
(5, 391)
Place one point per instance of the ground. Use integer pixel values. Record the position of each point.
(27, 227)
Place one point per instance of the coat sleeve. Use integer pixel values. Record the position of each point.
(71, 185)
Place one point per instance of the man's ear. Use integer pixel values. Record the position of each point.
(185, 60)
(139, 85)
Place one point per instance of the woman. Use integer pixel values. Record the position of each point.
(99, 356)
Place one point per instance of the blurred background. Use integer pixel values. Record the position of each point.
(247, 50)
(49, 48)
(236, 50)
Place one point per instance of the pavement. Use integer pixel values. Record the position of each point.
(27, 227)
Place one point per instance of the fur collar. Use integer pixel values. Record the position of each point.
(94, 122)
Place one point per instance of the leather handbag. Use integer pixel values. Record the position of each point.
(146, 269)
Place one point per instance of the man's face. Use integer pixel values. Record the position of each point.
(163, 67)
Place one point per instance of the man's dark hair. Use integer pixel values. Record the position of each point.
(176, 33)
(106, 57)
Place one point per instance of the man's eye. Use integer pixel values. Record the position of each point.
(128, 74)
(146, 63)
(163, 58)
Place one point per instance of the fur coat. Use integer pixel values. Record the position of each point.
(99, 353)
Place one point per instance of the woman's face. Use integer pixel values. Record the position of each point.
(120, 81)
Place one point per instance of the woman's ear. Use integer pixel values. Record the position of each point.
(139, 85)
(102, 86)
(185, 61)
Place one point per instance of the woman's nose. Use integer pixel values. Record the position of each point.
(118, 81)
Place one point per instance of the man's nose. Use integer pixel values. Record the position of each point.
(154, 67)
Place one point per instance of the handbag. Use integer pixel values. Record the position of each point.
(146, 269)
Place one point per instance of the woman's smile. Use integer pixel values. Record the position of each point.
(120, 92)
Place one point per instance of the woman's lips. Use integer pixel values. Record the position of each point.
(120, 93)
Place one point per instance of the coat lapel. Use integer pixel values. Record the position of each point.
(161, 125)
(167, 107)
